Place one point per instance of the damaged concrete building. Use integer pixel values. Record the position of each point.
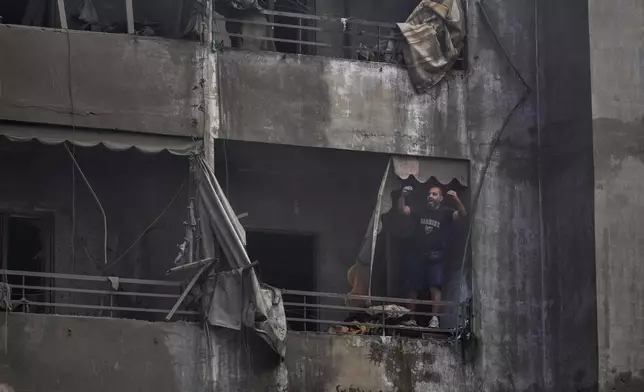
(202, 195)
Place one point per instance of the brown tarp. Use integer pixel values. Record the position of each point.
(434, 35)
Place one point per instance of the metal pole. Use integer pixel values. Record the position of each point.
(24, 297)
(383, 318)
(306, 313)
(62, 14)
(186, 291)
(299, 35)
(130, 16)
(378, 45)
(194, 264)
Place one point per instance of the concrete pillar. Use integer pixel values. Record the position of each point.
(565, 141)
(617, 71)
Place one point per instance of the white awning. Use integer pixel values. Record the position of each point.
(443, 170)
(114, 140)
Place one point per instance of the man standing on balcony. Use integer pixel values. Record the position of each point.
(425, 264)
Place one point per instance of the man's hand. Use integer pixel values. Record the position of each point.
(401, 201)
(460, 208)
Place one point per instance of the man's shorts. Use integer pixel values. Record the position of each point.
(424, 271)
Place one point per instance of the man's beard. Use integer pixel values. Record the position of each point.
(433, 203)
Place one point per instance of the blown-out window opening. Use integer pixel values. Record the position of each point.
(325, 228)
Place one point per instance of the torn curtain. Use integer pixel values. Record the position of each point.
(434, 35)
(235, 297)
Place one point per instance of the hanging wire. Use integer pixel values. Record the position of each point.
(144, 232)
(495, 143)
(70, 92)
(73, 216)
(100, 206)
(301, 6)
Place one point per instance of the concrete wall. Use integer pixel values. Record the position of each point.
(328, 363)
(123, 82)
(133, 187)
(340, 104)
(320, 363)
(57, 353)
(617, 58)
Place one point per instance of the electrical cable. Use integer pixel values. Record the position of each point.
(70, 92)
(144, 232)
(73, 217)
(495, 143)
(100, 206)
(301, 6)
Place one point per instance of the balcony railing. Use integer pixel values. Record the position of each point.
(327, 312)
(300, 33)
(153, 300)
(305, 33)
(86, 295)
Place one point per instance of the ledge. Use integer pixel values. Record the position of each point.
(117, 81)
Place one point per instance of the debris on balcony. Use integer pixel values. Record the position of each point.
(373, 319)
(87, 16)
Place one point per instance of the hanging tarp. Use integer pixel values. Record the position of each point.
(359, 274)
(434, 34)
(236, 298)
(114, 140)
(398, 169)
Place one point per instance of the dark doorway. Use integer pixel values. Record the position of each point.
(286, 261)
(25, 248)
(29, 12)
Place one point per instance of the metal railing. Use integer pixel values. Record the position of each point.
(87, 295)
(327, 312)
(329, 36)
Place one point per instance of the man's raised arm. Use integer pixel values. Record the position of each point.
(460, 208)
(402, 206)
